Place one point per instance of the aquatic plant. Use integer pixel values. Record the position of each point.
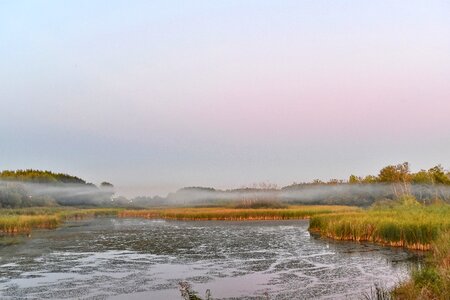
(187, 293)
(378, 292)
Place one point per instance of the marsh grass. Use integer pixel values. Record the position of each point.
(408, 225)
(413, 227)
(235, 214)
(14, 224)
(431, 281)
(22, 221)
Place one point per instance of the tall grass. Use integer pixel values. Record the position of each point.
(89, 213)
(16, 221)
(410, 226)
(404, 226)
(11, 224)
(431, 281)
(214, 213)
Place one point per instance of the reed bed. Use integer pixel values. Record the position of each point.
(22, 221)
(12, 224)
(432, 280)
(409, 227)
(235, 214)
(89, 213)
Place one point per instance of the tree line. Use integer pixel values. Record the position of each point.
(26, 188)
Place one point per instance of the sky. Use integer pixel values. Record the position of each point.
(156, 95)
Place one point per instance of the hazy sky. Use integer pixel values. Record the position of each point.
(156, 95)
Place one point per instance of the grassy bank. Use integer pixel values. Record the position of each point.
(221, 213)
(18, 221)
(432, 281)
(413, 227)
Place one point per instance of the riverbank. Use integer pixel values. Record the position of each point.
(22, 221)
(413, 227)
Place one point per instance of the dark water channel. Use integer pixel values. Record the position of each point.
(146, 259)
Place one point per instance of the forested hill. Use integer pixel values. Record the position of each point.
(38, 176)
(24, 188)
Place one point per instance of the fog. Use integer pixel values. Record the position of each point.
(15, 193)
(342, 193)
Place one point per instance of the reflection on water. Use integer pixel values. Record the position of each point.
(145, 259)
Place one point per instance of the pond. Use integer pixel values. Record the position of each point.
(111, 258)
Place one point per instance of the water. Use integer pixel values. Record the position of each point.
(108, 258)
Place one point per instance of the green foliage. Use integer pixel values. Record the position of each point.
(431, 281)
(428, 277)
(407, 200)
(38, 176)
(354, 179)
(412, 226)
(26, 188)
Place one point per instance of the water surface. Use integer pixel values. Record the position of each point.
(108, 258)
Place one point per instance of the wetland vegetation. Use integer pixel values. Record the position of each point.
(398, 208)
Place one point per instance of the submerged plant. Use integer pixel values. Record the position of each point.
(378, 292)
(187, 293)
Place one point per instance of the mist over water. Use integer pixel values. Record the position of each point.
(19, 193)
(339, 194)
(345, 194)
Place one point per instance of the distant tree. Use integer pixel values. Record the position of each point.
(353, 179)
(38, 176)
(370, 179)
(438, 175)
(335, 181)
(398, 176)
(105, 184)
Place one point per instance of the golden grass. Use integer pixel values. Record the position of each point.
(12, 224)
(235, 214)
(16, 221)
